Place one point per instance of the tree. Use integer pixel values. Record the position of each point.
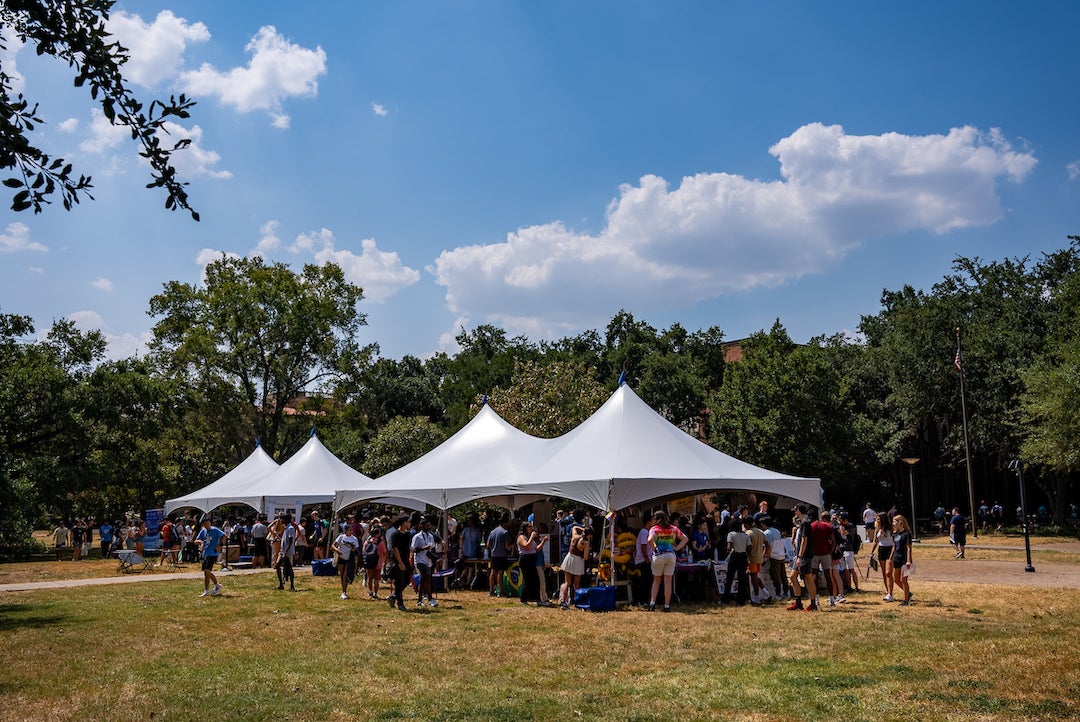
(784, 407)
(264, 329)
(74, 31)
(548, 399)
(402, 440)
(486, 360)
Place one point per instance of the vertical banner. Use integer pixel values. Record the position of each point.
(153, 518)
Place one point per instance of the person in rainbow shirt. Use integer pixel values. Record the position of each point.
(666, 540)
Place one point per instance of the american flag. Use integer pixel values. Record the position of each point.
(958, 362)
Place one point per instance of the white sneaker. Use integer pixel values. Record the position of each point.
(206, 593)
(344, 595)
(841, 599)
(433, 603)
(216, 590)
(888, 598)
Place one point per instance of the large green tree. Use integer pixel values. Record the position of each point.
(74, 31)
(548, 399)
(263, 329)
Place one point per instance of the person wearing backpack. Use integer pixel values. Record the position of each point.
(283, 564)
(374, 558)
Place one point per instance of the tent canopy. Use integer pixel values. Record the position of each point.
(624, 454)
(227, 489)
(480, 461)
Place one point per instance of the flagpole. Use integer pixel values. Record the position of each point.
(967, 446)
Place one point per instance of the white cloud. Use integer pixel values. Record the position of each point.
(277, 70)
(379, 110)
(718, 233)
(1073, 169)
(208, 255)
(9, 48)
(69, 126)
(102, 284)
(126, 345)
(156, 50)
(103, 134)
(36, 269)
(86, 320)
(194, 160)
(268, 240)
(16, 237)
(380, 273)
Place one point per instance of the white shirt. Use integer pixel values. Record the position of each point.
(642, 540)
(868, 517)
(422, 543)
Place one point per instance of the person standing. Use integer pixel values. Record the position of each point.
(869, 518)
(756, 554)
(61, 535)
(283, 565)
(527, 544)
(259, 544)
(498, 544)
(105, 536)
(665, 541)
(374, 558)
(738, 546)
(883, 543)
(901, 558)
(398, 546)
(78, 532)
(422, 546)
(345, 546)
(315, 536)
(139, 531)
(958, 532)
(642, 583)
(209, 541)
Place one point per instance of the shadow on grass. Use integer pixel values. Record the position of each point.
(22, 616)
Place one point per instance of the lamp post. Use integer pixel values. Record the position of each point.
(911, 461)
(1017, 465)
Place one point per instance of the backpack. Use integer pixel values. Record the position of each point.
(371, 552)
(854, 541)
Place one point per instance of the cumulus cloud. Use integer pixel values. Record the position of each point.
(9, 48)
(380, 273)
(1073, 169)
(126, 345)
(278, 70)
(102, 284)
(208, 255)
(718, 233)
(155, 50)
(379, 110)
(69, 126)
(16, 237)
(104, 135)
(194, 160)
(86, 320)
(268, 240)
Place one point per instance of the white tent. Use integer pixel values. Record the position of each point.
(311, 476)
(624, 454)
(484, 460)
(227, 489)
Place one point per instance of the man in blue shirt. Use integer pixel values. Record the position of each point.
(209, 539)
(105, 535)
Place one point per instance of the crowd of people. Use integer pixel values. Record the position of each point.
(761, 565)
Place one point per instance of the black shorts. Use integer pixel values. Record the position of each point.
(884, 554)
(208, 563)
(500, 564)
(260, 547)
(424, 571)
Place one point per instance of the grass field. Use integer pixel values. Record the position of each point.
(157, 651)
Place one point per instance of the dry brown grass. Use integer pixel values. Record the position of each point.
(963, 652)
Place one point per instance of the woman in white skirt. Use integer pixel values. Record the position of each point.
(573, 564)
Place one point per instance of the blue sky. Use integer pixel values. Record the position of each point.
(542, 165)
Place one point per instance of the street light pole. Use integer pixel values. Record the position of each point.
(1017, 465)
(911, 461)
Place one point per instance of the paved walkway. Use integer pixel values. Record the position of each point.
(122, 579)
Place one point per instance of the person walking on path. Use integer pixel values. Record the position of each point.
(209, 540)
(958, 532)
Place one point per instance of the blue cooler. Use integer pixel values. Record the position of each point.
(323, 568)
(595, 599)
